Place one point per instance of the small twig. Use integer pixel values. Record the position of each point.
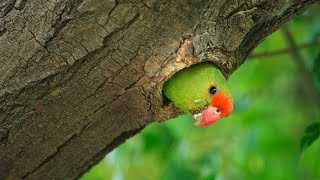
(285, 51)
(296, 55)
(307, 82)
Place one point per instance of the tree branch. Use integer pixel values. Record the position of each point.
(285, 51)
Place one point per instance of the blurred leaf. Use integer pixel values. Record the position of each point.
(315, 28)
(159, 139)
(208, 164)
(316, 67)
(177, 169)
(312, 132)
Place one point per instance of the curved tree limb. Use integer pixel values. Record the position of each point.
(79, 77)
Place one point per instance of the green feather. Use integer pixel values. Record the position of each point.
(188, 88)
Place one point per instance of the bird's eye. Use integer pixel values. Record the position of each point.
(218, 111)
(212, 90)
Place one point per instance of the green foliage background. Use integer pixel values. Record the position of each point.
(260, 140)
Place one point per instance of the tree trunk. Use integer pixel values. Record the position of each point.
(79, 77)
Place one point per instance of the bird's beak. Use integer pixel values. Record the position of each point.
(207, 116)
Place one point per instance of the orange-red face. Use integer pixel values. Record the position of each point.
(221, 106)
(224, 102)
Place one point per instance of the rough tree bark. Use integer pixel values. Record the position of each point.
(79, 77)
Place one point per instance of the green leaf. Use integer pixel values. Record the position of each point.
(311, 134)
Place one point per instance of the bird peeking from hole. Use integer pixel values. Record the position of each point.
(200, 90)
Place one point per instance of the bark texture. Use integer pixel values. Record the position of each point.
(79, 77)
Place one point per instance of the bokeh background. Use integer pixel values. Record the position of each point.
(272, 133)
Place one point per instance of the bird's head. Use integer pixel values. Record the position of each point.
(221, 105)
(200, 90)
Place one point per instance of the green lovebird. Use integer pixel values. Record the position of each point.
(201, 90)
